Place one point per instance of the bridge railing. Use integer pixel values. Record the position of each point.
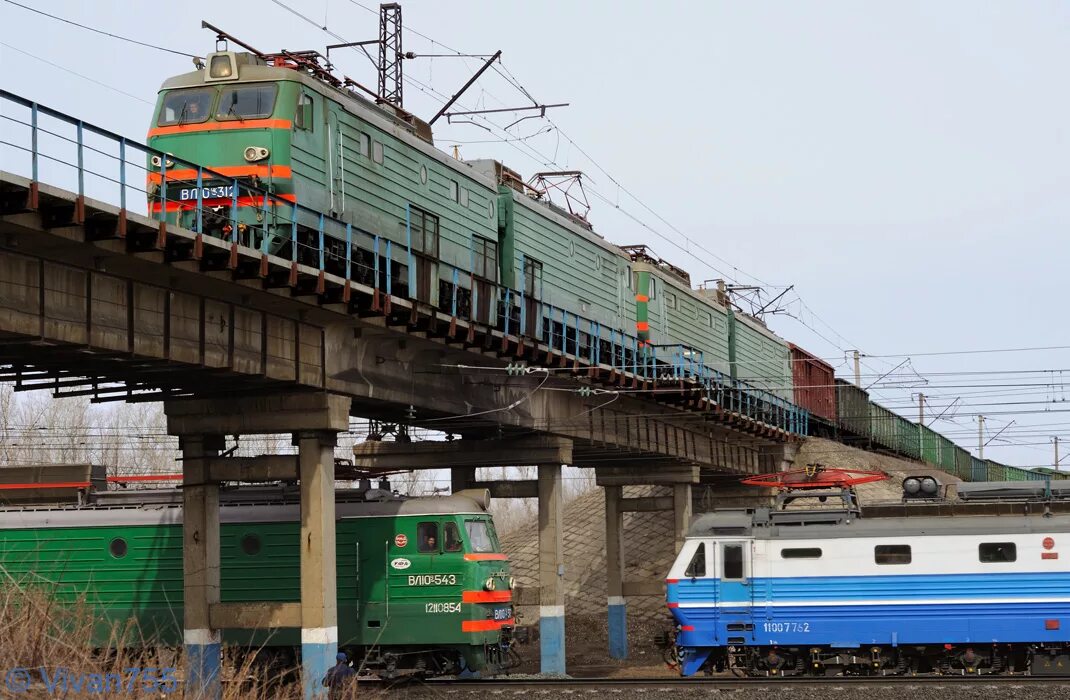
(46, 145)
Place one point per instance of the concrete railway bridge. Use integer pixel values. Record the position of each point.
(98, 300)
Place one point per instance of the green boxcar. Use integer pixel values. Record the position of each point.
(759, 356)
(421, 583)
(853, 407)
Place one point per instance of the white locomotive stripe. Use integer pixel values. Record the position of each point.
(871, 602)
(319, 635)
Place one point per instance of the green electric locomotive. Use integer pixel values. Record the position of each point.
(287, 141)
(422, 583)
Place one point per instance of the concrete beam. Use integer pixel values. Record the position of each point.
(262, 468)
(645, 504)
(525, 488)
(616, 607)
(462, 478)
(666, 475)
(551, 571)
(282, 413)
(462, 453)
(254, 615)
(635, 588)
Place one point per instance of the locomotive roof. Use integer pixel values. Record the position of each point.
(26, 517)
(757, 524)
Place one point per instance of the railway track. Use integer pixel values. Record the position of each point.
(720, 683)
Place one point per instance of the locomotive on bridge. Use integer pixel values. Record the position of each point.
(899, 591)
(279, 129)
(422, 584)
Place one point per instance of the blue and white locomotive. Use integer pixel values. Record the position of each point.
(905, 589)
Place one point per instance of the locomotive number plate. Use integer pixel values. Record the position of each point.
(786, 627)
(187, 193)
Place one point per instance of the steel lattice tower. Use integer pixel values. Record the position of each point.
(390, 55)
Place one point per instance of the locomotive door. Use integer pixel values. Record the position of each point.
(532, 297)
(736, 592)
(334, 165)
(423, 237)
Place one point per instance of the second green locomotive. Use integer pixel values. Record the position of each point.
(422, 583)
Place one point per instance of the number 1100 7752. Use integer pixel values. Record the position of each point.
(783, 627)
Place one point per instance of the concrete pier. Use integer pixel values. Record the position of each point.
(319, 606)
(551, 571)
(616, 606)
(314, 420)
(200, 561)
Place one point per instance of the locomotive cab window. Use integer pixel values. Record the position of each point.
(997, 552)
(304, 117)
(479, 537)
(892, 554)
(696, 568)
(732, 562)
(247, 102)
(451, 538)
(427, 538)
(186, 107)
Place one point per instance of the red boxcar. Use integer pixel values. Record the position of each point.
(815, 383)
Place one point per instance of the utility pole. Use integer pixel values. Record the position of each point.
(858, 370)
(980, 437)
(921, 408)
(1056, 463)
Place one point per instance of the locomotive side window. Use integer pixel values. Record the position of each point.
(892, 554)
(427, 538)
(732, 556)
(377, 152)
(996, 552)
(451, 537)
(485, 258)
(186, 107)
(365, 145)
(424, 228)
(697, 567)
(247, 102)
(478, 536)
(801, 553)
(304, 118)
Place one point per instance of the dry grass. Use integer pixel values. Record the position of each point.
(37, 631)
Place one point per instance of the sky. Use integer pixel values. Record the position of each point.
(904, 165)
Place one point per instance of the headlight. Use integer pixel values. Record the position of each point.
(255, 153)
(489, 584)
(157, 161)
(512, 582)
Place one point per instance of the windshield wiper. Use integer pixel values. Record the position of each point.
(231, 112)
(182, 113)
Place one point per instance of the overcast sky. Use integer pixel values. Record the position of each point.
(904, 164)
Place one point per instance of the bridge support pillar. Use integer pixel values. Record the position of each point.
(681, 512)
(551, 571)
(319, 607)
(462, 478)
(617, 608)
(200, 561)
